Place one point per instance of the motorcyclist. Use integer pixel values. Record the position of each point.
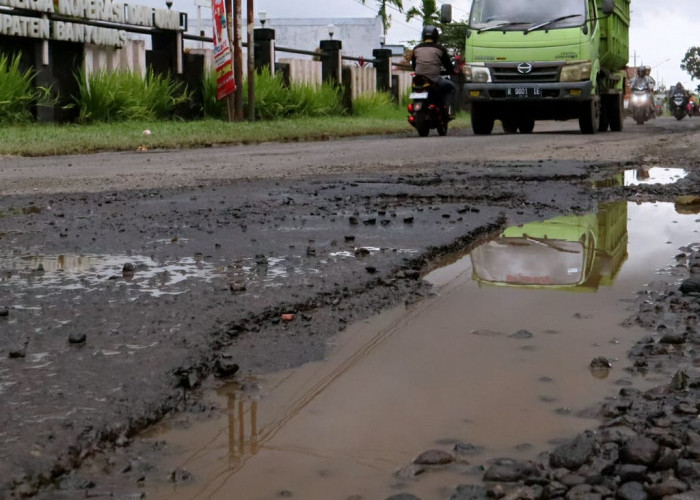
(677, 89)
(643, 79)
(428, 59)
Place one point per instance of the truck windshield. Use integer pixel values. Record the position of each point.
(519, 14)
(530, 261)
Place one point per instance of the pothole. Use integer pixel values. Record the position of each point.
(498, 361)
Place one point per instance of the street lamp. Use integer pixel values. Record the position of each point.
(662, 62)
(331, 30)
(262, 15)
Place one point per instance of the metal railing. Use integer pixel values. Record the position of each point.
(313, 53)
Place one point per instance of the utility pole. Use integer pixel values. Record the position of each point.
(251, 62)
(237, 60)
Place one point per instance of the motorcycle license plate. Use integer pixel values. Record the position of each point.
(418, 95)
(524, 92)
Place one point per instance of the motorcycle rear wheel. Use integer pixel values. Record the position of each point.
(422, 125)
(442, 128)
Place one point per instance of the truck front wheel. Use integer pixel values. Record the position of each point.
(526, 125)
(589, 116)
(482, 119)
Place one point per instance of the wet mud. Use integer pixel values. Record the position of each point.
(118, 309)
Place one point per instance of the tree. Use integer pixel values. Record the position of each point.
(454, 36)
(428, 13)
(383, 10)
(691, 63)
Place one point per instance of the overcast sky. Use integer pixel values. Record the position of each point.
(660, 32)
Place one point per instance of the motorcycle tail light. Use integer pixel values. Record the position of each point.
(411, 119)
(410, 108)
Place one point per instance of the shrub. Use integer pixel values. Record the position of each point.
(275, 100)
(124, 95)
(16, 92)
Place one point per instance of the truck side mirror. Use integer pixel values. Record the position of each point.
(608, 7)
(446, 13)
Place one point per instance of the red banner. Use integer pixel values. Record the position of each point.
(223, 61)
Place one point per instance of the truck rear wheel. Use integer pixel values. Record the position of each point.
(604, 122)
(482, 119)
(615, 112)
(589, 116)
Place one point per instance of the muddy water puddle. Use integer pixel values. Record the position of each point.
(497, 360)
(54, 274)
(643, 176)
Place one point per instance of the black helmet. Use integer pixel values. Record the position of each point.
(642, 71)
(430, 33)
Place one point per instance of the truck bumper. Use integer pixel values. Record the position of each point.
(529, 92)
(540, 101)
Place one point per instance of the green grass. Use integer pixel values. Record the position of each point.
(379, 105)
(45, 139)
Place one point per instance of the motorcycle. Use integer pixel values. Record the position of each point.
(679, 104)
(642, 104)
(425, 110)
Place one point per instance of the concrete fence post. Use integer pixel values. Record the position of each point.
(383, 65)
(264, 43)
(331, 61)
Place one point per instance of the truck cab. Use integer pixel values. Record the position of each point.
(546, 60)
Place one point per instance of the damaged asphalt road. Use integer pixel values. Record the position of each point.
(126, 280)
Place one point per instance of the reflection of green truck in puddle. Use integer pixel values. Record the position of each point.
(568, 252)
(530, 60)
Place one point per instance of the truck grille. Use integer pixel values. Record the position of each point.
(508, 73)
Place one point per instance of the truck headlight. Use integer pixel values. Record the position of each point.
(576, 72)
(476, 73)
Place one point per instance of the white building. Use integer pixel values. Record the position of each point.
(359, 35)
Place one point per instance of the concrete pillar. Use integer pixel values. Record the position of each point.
(383, 66)
(331, 61)
(264, 43)
(57, 72)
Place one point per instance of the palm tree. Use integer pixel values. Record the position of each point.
(428, 12)
(382, 12)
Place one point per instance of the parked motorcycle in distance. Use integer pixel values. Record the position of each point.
(425, 110)
(641, 104)
(679, 105)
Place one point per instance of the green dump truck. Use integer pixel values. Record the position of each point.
(572, 252)
(529, 60)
